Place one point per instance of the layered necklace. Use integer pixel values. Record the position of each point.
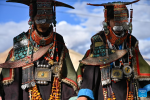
(40, 41)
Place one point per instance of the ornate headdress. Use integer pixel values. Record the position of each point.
(42, 10)
(120, 16)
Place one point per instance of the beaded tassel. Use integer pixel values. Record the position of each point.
(53, 49)
(55, 45)
(105, 14)
(55, 95)
(130, 96)
(35, 94)
(121, 62)
(52, 53)
(113, 97)
(57, 58)
(130, 56)
(127, 90)
(56, 90)
(131, 15)
(105, 93)
(129, 93)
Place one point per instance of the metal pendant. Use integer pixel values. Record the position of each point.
(56, 68)
(106, 31)
(105, 75)
(127, 70)
(116, 73)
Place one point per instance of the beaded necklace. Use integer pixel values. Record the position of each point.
(55, 94)
(56, 87)
(114, 39)
(42, 40)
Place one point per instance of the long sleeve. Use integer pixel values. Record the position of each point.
(13, 91)
(91, 82)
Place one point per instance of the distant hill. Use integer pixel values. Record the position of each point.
(4, 55)
(75, 57)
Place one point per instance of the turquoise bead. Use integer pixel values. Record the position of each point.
(30, 22)
(42, 74)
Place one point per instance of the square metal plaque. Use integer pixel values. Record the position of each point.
(43, 74)
(116, 73)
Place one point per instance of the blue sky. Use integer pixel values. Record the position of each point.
(77, 25)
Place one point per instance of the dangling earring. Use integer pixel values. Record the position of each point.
(105, 26)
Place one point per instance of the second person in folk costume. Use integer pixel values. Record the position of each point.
(113, 68)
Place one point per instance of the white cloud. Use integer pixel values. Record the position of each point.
(141, 20)
(74, 35)
(10, 30)
(144, 46)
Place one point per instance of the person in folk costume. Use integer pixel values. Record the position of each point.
(113, 68)
(38, 66)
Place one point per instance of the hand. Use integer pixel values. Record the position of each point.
(82, 98)
(0, 98)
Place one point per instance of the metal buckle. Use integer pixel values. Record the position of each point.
(56, 68)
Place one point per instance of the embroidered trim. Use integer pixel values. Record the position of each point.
(72, 83)
(138, 67)
(144, 79)
(137, 74)
(10, 79)
(42, 40)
